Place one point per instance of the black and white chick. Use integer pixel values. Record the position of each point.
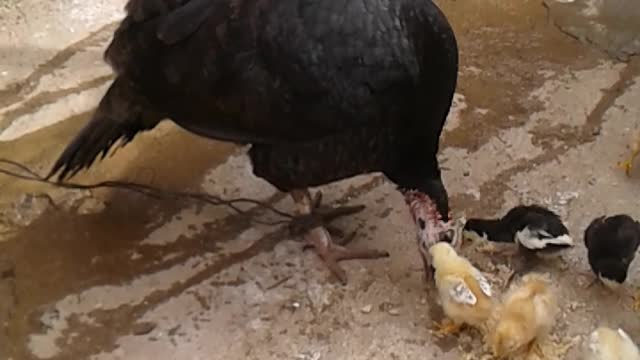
(611, 244)
(535, 229)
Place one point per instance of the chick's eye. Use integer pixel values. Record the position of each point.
(421, 223)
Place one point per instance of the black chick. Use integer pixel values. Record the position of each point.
(611, 244)
(534, 228)
(531, 226)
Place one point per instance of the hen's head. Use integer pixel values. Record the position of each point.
(433, 226)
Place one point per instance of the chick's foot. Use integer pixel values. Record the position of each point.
(627, 164)
(446, 328)
(535, 351)
(509, 253)
(636, 301)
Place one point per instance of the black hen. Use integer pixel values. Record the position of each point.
(322, 89)
(611, 244)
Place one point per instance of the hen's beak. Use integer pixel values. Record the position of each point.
(448, 236)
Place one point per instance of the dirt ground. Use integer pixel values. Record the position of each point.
(538, 117)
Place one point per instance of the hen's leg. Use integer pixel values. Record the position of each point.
(313, 214)
(318, 236)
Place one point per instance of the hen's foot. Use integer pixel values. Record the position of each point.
(446, 328)
(312, 223)
(313, 214)
(331, 253)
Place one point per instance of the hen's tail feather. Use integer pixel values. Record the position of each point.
(120, 116)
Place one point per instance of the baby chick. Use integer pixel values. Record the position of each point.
(530, 226)
(465, 294)
(527, 314)
(608, 344)
(611, 244)
(626, 165)
(535, 229)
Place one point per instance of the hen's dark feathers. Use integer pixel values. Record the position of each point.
(322, 89)
(184, 21)
(142, 10)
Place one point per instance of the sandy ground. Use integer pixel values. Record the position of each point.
(538, 117)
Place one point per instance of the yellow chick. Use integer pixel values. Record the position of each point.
(608, 344)
(635, 151)
(465, 294)
(528, 313)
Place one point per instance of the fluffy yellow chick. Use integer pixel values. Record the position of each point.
(608, 344)
(635, 151)
(527, 314)
(465, 294)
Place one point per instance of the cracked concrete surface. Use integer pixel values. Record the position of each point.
(611, 25)
(538, 117)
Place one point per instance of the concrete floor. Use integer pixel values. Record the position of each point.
(538, 117)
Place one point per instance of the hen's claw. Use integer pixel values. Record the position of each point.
(332, 253)
(345, 239)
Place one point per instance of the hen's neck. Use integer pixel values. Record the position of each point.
(421, 206)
